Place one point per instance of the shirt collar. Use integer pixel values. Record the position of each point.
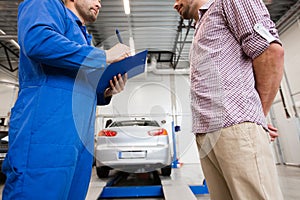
(82, 27)
(75, 18)
(204, 8)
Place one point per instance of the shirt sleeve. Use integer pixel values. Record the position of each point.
(42, 26)
(242, 17)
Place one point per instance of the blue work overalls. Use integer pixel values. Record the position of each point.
(52, 123)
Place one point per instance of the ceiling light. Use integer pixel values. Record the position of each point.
(11, 41)
(126, 7)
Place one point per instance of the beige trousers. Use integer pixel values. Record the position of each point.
(238, 164)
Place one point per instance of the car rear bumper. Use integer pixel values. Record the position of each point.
(133, 158)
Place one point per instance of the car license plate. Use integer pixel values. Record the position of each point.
(132, 154)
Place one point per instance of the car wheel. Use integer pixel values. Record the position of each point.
(166, 171)
(103, 171)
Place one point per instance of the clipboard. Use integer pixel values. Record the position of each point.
(132, 65)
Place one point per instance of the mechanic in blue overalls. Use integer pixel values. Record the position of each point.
(52, 123)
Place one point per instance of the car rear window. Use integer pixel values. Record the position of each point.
(135, 123)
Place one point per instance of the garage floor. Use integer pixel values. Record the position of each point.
(190, 174)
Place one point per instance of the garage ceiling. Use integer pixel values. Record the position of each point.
(152, 25)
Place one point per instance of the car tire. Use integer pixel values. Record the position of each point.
(102, 172)
(166, 171)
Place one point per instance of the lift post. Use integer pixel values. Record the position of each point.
(175, 162)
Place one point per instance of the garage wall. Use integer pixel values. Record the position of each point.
(8, 93)
(186, 143)
(7, 96)
(286, 118)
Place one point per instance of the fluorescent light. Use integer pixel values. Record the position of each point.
(11, 41)
(126, 7)
(15, 44)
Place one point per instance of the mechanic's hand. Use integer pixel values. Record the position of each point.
(273, 132)
(116, 85)
(117, 53)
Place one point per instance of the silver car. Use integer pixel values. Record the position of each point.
(134, 146)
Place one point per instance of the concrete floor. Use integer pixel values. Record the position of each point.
(191, 174)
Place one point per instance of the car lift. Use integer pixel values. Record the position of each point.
(151, 184)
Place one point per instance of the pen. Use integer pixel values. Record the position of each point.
(119, 36)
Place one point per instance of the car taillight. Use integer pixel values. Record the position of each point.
(157, 132)
(107, 133)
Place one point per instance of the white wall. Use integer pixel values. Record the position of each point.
(7, 96)
(8, 93)
(289, 128)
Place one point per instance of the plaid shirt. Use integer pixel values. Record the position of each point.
(222, 81)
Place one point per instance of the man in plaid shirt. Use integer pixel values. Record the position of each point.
(236, 67)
